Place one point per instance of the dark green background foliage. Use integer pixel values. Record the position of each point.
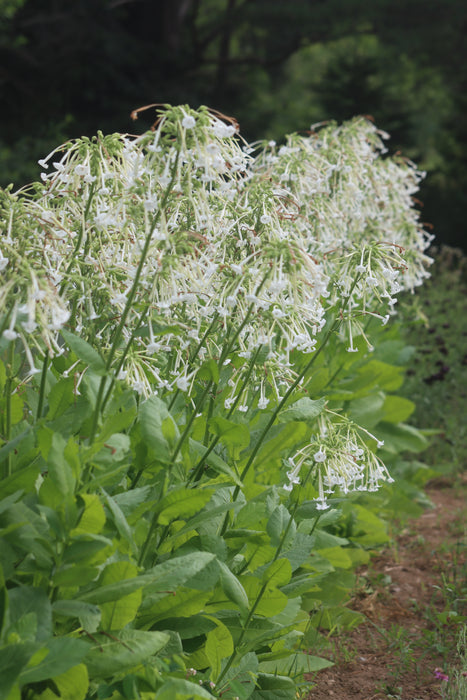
(71, 68)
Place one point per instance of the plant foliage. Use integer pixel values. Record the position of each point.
(199, 391)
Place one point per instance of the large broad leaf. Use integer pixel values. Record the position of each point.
(337, 556)
(368, 410)
(273, 687)
(182, 603)
(26, 601)
(397, 409)
(118, 613)
(165, 577)
(304, 409)
(219, 645)
(13, 445)
(233, 589)
(401, 437)
(60, 397)
(13, 658)
(278, 573)
(120, 522)
(72, 685)
(85, 352)
(241, 678)
(92, 518)
(128, 649)
(182, 504)
(234, 436)
(271, 600)
(180, 689)
(285, 438)
(89, 615)
(61, 654)
(217, 463)
(152, 415)
(294, 665)
(278, 523)
(52, 446)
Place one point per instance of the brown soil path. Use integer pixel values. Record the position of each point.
(395, 653)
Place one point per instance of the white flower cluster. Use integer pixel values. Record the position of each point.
(338, 457)
(206, 251)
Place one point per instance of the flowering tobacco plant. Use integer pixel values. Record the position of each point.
(188, 324)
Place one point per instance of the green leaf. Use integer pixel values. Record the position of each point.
(60, 473)
(368, 410)
(62, 654)
(89, 615)
(165, 577)
(72, 685)
(13, 658)
(3, 601)
(217, 463)
(85, 352)
(209, 371)
(118, 613)
(233, 589)
(278, 523)
(234, 436)
(294, 665)
(337, 556)
(16, 409)
(152, 415)
(120, 521)
(401, 437)
(287, 437)
(13, 444)
(271, 600)
(60, 397)
(24, 600)
(92, 519)
(219, 645)
(278, 573)
(181, 504)
(304, 409)
(397, 409)
(182, 603)
(273, 687)
(241, 677)
(130, 649)
(367, 529)
(180, 689)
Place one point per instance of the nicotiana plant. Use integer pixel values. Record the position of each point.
(195, 374)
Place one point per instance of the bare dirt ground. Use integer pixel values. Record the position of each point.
(394, 654)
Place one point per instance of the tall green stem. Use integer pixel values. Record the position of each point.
(45, 366)
(8, 388)
(197, 470)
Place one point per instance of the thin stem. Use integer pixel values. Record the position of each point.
(197, 470)
(45, 367)
(198, 405)
(74, 256)
(8, 386)
(259, 596)
(196, 352)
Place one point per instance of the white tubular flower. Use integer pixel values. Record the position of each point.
(268, 242)
(343, 460)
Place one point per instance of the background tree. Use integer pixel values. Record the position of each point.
(69, 69)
